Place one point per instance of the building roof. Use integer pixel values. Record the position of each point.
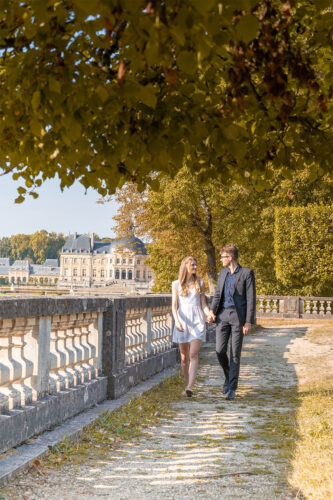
(42, 270)
(21, 265)
(4, 261)
(78, 243)
(132, 243)
(51, 263)
(84, 243)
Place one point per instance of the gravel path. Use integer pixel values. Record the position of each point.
(211, 449)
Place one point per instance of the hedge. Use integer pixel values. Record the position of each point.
(303, 244)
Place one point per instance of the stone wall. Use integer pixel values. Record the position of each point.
(59, 356)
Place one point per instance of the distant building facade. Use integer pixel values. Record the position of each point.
(22, 271)
(86, 261)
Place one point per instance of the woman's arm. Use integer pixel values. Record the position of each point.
(175, 307)
(203, 301)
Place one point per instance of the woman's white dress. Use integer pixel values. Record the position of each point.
(190, 315)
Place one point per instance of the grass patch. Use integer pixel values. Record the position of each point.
(313, 457)
(125, 424)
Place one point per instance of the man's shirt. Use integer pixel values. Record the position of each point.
(228, 291)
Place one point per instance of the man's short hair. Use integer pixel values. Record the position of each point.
(230, 249)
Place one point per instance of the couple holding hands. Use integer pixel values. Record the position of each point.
(233, 309)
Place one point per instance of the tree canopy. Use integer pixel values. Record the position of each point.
(36, 247)
(107, 91)
(186, 218)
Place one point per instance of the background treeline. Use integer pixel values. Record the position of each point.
(284, 233)
(34, 247)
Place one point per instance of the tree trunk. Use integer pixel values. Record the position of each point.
(209, 248)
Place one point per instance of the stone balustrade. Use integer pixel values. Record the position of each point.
(59, 356)
(294, 307)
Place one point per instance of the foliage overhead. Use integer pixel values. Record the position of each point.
(111, 90)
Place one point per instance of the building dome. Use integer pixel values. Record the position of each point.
(130, 242)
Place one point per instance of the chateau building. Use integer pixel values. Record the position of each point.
(22, 271)
(86, 261)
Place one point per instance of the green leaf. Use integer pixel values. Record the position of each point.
(36, 127)
(35, 101)
(204, 6)
(147, 95)
(102, 93)
(75, 130)
(54, 85)
(247, 28)
(187, 62)
(21, 190)
(19, 199)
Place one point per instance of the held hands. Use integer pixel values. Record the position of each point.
(211, 317)
(246, 328)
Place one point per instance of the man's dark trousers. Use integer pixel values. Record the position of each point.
(228, 325)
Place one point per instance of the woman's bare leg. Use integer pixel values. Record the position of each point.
(194, 362)
(185, 360)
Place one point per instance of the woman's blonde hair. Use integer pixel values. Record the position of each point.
(183, 275)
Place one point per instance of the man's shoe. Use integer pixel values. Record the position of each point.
(225, 389)
(231, 394)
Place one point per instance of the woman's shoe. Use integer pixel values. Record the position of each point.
(189, 393)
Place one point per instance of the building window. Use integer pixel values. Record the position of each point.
(138, 275)
(65, 261)
(144, 275)
(138, 261)
(116, 275)
(75, 261)
(110, 261)
(74, 272)
(118, 261)
(103, 261)
(130, 275)
(123, 274)
(110, 273)
(84, 272)
(149, 275)
(94, 261)
(65, 271)
(83, 261)
(124, 261)
(102, 273)
(130, 261)
(94, 273)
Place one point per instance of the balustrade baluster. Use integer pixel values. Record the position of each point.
(307, 307)
(315, 307)
(275, 306)
(322, 309)
(261, 305)
(328, 308)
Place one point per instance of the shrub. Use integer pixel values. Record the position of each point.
(303, 243)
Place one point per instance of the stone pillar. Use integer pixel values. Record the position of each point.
(113, 351)
(291, 307)
(43, 356)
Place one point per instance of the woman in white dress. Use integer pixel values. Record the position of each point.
(188, 309)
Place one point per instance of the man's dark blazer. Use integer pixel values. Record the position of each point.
(244, 295)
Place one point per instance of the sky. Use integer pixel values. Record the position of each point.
(55, 211)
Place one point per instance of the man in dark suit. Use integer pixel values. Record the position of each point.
(234, 310)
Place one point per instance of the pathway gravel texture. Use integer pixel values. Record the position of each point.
(211, 449)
